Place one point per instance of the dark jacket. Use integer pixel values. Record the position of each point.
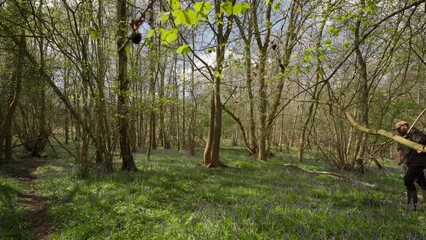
(412, 157)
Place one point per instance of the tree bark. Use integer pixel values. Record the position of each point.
(128, 163)
(211, 153)
(263, 46)
(361, 142)
(247, 37)
(6, 126)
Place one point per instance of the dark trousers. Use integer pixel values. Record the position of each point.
(415, 174)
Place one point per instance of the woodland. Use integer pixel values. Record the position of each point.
(197, 93)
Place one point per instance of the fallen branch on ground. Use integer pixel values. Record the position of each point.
(348, 179)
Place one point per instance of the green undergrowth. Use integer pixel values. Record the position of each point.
(14, 221)
(173, 197)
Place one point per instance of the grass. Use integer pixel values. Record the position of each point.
(14, 221)
(173, 197)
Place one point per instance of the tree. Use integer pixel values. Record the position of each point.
(211, 151)
(14, 96)
(128, 163)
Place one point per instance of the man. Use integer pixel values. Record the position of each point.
(416, 161)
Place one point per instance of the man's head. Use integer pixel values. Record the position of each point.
(402, 127)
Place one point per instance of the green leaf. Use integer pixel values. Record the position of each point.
(308, 69)
(218, 74)
(127, 48)
(238, 8)
(175, 4)
(179, 17)
(150, 33)
(168, 37)
(321, 57)
(328, 43)
(93, 36)
(241, 8)
(198, 6)
(297, 69)
(172, 36)
(163, 16)
(277, 6)
(211, 49)
(308, 50)
(190, 17)
(202, 7)
(183, 49)
(307, 58)
(335, 31)
(226, 7)
(187, 17)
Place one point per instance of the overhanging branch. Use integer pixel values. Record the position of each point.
(381, 132)
(416, 146)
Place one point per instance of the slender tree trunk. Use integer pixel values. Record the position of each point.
(153, 59)
(105, 143)
(254, 148)
(263, 101)
(128, 163)
(6, 126)
(361, 143)
(176, 113)
(183, 137)
(247, 37)
(174, 122)
(209, 144)
(43, 132)
(193, 114)
(217, 126)
(67, 115)
(162, 110)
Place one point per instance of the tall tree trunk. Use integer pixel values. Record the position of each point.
(43, 132)
(263, 45)
(211, 153)
(176, 114)
(250, 73)
(105, 143)
(174, 122)
(183, 136)
(363, 96)
(191, 141)
(6, 126)
(209, 143)
(164, 135)
(128, 163)
(153, 58)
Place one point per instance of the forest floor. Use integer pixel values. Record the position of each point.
(172, 197)
(35, 203)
